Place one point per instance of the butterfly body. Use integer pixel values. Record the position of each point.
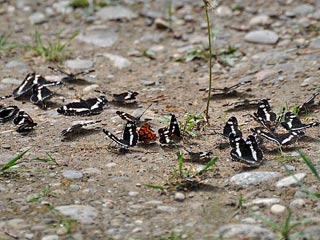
(171, 134)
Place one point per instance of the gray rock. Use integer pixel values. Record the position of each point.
(117, 61)
(260, 20)
(297, 204)
(74, 187)
(63, 6)
(99, 37)
(263, 202)
(78, 63)
(277, 209)
(2, 188)
(224, 11)
(152, 37)
(179, 197)
(90, 88)
(72, 174)
(303, 9)
(50, 237)
(310, 233)
(37, 18)
(262, 37)
(14, 64)
(291, 180)
(250, 231)
(133, 194)
(111, 165)
(12, 81)
(253, 178)
(116, 13)
(84, 214)
(168, 209)
(92, 171)
(315, 43)
(309, 81)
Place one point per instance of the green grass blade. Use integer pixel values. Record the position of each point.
(13, 161)
(208, 165)
(309, 164)
(180, 158)
(268, 222)
(157, 187)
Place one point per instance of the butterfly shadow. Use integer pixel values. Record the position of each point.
(234, 94)
(129, 105)
(82, 133)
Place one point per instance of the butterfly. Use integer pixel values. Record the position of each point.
(129, 117)
(166, 135)
(199, 156)
(125, 96)
(39, 94)
(92, 106)
(266, 117)
(231, 126)
(129, 137)
(77, 128)
(308, 105)
(244, 104)
(24, 121)
(245, 151)
(227, 91)
(292, 123)
(146, 134)
(281, 139)
(70, 77)
(8, 113)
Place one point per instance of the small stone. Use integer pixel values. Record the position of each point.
(303, 9)
(50, 12)
(72, 174)
(78, 63)
(37, 18)
(14, 64)
(262, 37)
(12, 81)
(161, 24)
(90, 88)
(309, 81)
(260, 20)
(224, 11)
(179, 197)
(133, 194)
(92, 171)
(263, 202)
(277, 209)
(6, 146)
(168, 209)
(137, 229)
(315, 43)
(116, 13)
(100, 37)
(118, 61)
(156, 48)
(63, 6)
(297, 204)
(50, 237)
(265, 74)
(84, 214)
(291, 180)
(74, 187)
(111, 165)
(253, 178)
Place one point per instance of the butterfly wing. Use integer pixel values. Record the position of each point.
(24, 122)
(174, 129)
(25, 86)
(40, 94)
(232, 127)
(8, 113)
(130, 135)
(146, 134)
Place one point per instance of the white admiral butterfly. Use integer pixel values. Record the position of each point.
(125, 96)
(248, 152)
(292, 123)
(308, 105)
(226, 91)
(166, 135)
(129, 138)
(244, 104)
(282, 139)
(24, 122)
(70, 77)
(231, 127)
(77, 128)
(92, 106)
(39, 94)
(8, 113)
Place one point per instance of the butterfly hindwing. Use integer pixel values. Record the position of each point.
(24, 122)
(231, 126)
(8, 113)
(146, 134)
(292, 123)
(171, 134)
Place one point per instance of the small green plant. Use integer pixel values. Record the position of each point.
(172, 236)
(149, 54)
(11, 164)
(191, 122)
(310, 165)
(284, 229)
(40, 196)
(198, 53)
(240, 205)
(52, 51)
(50, 159)
(79, 3)
(170, 13)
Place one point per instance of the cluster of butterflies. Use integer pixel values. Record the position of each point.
(249, 151)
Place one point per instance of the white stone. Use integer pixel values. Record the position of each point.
(179, 196)
(117, 61)
(100, 37)
(253, 178)
(291, 180)
(277, 209)
(262, 37)
(260, 20)
(115, 13)
(263, 201)
(37, 18)
(297, 204)
(84, 214)
(224, 11)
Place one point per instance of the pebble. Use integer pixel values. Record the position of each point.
(242, 231)
(37, 18)
(117, 61)
(116, 13)
(179, 197)
(133, 194)
(265, 74)
(72, 174)
(100, 37)
(78, 63)
(63, 6)
(303, 9)
(111, 165)
(224, 11)
(262, 37)
(315, 43)
(50, 237)
(12, 81)
(260, 20)
(90, 88)
(277, 209)
(297, 204)
(83, 213)
(92, 171)
(309, 81)
(167, 209)
(14, 64)
(2, 188)
(74, 187)
(291, 180)
(263, 202)
(253, 178)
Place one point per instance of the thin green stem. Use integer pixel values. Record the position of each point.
(210, 62)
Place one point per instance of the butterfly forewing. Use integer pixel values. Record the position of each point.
(24, 122)
(8, 113)
(40, 94)
(231, 126)
(25, 86)
(293, 123)
(146, 134)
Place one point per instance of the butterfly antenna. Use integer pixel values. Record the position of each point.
(83, 73)
(58, 70)
(144, 112)
(5, 97)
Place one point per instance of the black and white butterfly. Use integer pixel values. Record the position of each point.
(70, 77)
(8, 113)
(77, 128)
(171, 134)
(199, 156)
(292, 123)
(129, 117)
(125, 96)
(231, 126)
(308, 106)
(129, 138)
(24, 122)
(92, 106)
(243, 104)
(281, 139)
(40, 94)
(266, 117)
(245, 151)
(227, 91)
